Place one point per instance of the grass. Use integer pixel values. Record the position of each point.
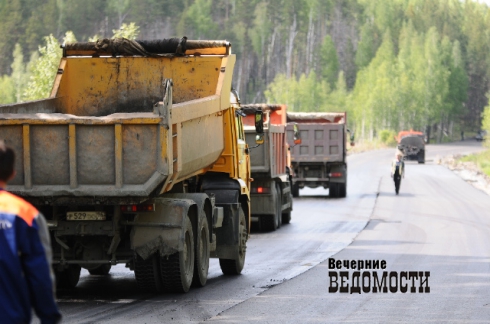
(482, 161)
(365, 146)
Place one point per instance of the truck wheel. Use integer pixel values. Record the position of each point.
(342, 189)
(147, 273)
(201, 262)
(101, 270)
(235, 267)
(333, 190)
(268, 223)
(69, 277)
(295, 190)
(286, 217)
(278, 206)
(177, 270)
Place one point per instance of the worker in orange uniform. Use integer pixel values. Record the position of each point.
(26, 277)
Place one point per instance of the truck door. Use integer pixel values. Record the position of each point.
(243, 157)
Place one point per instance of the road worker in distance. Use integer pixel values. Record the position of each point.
(398, 170)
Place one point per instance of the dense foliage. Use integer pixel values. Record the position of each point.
(392, 65)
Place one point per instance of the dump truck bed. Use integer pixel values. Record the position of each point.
(271, 157)
(116, 126)
(322, 137)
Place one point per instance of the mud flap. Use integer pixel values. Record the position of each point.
(342, 168)
(161, 230)
(227, 236)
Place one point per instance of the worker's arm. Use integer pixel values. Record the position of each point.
(35, 249)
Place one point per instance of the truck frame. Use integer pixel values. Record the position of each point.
(138, 157)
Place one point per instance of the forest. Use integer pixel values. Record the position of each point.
(391, 64)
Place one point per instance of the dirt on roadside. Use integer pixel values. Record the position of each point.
(468, 171)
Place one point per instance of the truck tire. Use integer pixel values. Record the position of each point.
(177, 270)
(278, 206)
(333, 190)
(147, 273)
(295, 190)
(68, 278)
(421, 158)
(235, 267)
(201, 262)
(270, 223)
(102, 270)
(342, 189)
(286, 217)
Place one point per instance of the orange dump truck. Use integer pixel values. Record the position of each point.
(271, 197)
(411, 143)
(138, 157)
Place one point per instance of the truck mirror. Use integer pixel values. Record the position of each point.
(352, 143)
(259, 139)
(259, 122)
(296, 134)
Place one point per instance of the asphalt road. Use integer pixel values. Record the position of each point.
(438, 223)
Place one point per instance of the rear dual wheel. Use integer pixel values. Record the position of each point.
(286, 217)
(69, 277)
(295, 190)
(201, 262)
(175, 273)
(270, 223)
(147, 273)
(338, 190)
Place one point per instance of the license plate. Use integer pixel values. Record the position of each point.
(85, 216)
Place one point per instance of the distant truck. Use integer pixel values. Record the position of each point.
(271, 197)
(320, 160)
(480, 135)
(411, 143)
(138, 157)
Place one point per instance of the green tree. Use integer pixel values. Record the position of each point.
(435, 79)
(19, 76)
(7, 90)
(197, 21)
(337, 100)
(367, 46)
(283, 90)
(43, 70)
(457, 81)
(329, 61)
(130, 31)
(486, 124)
(373, 92)
(121, 8)
(11, 20)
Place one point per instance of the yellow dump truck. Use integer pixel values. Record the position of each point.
(138, 157)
